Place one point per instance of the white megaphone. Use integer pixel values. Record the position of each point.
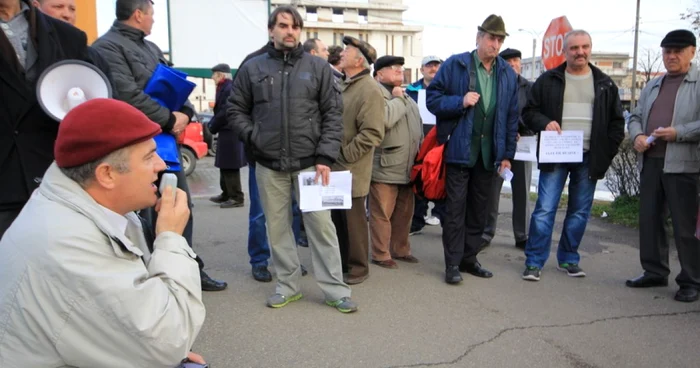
(67, 84)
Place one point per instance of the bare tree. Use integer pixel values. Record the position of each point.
(693, 15)
(650, 64)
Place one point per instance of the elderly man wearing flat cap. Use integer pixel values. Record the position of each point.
(230, 154)
(363, 131)
(522, 170)
(474, 97)
(76, 262)
(390, 195)
(668, 112)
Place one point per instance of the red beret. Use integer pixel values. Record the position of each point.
(98, 127)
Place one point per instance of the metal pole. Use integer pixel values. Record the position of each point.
(534, 50)
(634, 61)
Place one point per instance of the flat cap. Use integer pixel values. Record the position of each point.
(98, 127)
(388, 60)
(223, 68)
(510, 53)
(679, 38)
(365, 48)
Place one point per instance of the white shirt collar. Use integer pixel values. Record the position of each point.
(118, 221)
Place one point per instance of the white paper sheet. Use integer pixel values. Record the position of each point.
(316, 197)
(526, 149)
(427, 116)
(559, 148)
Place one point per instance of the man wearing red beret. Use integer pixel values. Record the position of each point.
(77, 264)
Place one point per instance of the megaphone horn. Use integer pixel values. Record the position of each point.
(68, 83)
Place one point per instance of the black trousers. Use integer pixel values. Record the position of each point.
(680, 193)
(151, 216)
(465, 211)
(230, 182)
(6, 219)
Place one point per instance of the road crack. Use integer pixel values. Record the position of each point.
(504, 331)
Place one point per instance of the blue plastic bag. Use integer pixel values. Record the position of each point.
(170, 88)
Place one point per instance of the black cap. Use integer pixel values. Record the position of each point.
(679, 38)
(223, 68)
(510, 53)
(388, 60)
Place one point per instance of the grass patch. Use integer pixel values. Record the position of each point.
(622, 211)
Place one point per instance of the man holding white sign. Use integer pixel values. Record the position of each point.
(579, 99)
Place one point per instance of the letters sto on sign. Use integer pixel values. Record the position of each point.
(553, 42)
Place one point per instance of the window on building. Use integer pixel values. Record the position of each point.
(338, 38)
(617, 65)
(311, 14)
(337, 16)
(311, 33)
(407, 76)
(362, 16)
(364, 37)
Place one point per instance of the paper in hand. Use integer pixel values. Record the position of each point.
(506, 174)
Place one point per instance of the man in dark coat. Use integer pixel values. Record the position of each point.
(30, 42)
(132, 60)
(230, 154)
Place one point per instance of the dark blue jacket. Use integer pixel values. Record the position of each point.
(445, 96)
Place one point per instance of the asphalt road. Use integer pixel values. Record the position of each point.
(410, 318)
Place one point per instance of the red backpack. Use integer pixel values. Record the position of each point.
(428, 172)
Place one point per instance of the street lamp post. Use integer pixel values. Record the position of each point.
(535, 35)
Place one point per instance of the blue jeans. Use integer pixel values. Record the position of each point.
(258, 246)
(581, 191)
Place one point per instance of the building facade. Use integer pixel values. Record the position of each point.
(379, 22)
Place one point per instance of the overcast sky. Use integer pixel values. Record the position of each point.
(450, 25)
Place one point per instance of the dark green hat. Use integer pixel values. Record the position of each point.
(494, 25)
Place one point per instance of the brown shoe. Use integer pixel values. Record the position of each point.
(353, 280)
(409, 258)
(389, 263)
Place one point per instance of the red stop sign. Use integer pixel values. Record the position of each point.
(553, 42)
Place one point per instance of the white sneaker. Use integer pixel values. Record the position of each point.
(432, 220)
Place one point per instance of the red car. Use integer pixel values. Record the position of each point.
(192, 146)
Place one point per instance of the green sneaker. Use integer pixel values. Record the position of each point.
(531, 274)
(344, 305)
(279, 300)
(571, 269)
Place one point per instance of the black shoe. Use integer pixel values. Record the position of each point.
(209, 284)
(521, 244)
(645, 281)
(261, 273)
(687, 294)
(304, 272)
(231, 204)
(475, 269)
(218, 199)
(452, 275)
